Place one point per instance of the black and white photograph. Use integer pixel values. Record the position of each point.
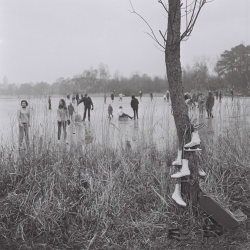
(124, 124)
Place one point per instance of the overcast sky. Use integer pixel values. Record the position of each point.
(42, 40)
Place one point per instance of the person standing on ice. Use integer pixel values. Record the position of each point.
(164, 97)
(168, 96)
(210, 104)
(87, 101)
(140, 94)
(134, 105)
(105, 97)
(71, 109)
(220, 95)
(232, 94)
(23, 117)
(49, 101)
(68, 101)
(110, 111)
(201, 104)
(62, 119)
(112, 97)
(77, 97)
(151, 96)
(120, 97)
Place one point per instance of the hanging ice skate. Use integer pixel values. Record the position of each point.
(201, 172)
(184, 171)
(177, 196)
(178, 161)
(194, 145)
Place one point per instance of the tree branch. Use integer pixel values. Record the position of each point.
(164, 5)
(197, 5)
(153, 35)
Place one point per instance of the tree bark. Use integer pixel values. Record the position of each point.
(180, 110)
(173, 66)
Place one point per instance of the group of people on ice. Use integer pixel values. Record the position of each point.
(67, 111)
(205, 102)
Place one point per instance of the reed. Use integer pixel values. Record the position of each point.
(97, 194)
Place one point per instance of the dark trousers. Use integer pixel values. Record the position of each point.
(209, 113)
(135, 113)
(49, 105)
(60, 125)
(85, 111)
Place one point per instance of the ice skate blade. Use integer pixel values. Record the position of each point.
(197, 146)
(192, 150)
(177, 176)
(176, 165)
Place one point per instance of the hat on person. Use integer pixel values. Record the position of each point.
(120, 107)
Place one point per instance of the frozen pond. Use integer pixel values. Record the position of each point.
(155, 124)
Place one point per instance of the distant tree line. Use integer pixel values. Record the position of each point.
(93, 81)
(232, 70)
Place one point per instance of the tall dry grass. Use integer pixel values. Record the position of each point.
(93, 195)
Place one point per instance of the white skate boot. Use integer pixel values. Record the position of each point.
(194, 145)
(201, 172)
(184, 170)
(178, 161)
(177, 196)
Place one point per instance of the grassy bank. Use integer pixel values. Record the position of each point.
(101, 197)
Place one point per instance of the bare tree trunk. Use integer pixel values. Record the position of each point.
(173, 65)
(180, 110)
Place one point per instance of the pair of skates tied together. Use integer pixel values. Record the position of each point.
(192, 146)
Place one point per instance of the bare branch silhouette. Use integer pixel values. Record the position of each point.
(153, 34)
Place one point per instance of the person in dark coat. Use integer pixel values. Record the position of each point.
(112, 97)
(105, 97)
(168, 96)
(77, 97)
(232, 94)
(220, 95)
(134, 104)
(210, 104)
(87, 105)
(49, 101)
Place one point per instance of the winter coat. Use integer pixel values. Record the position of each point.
(71, 109)
(87, 102)
(62, 114)
(110, 109)
(134, 103)
(210, 102)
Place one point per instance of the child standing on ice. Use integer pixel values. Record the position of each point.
(110, 111)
